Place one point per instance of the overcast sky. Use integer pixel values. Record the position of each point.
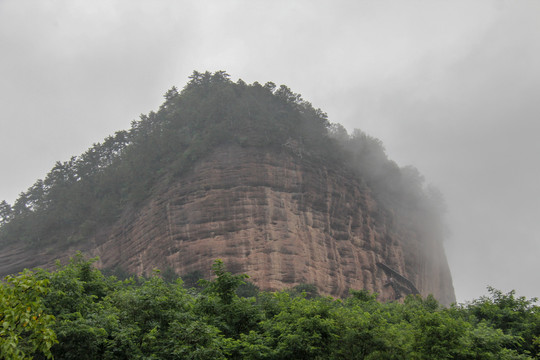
(451, 87)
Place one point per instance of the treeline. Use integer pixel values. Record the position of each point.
(90, 191)
(78, 313)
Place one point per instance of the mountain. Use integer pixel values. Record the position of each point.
(248, 173)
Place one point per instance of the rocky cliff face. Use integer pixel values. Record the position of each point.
(278, 217)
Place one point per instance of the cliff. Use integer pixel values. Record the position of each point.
(280, 212)
(276, 216)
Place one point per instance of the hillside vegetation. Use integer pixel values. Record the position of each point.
(78, 313)
(88, 192)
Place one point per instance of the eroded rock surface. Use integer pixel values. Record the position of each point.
(278, 217)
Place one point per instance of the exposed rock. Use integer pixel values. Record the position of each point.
(276, 216)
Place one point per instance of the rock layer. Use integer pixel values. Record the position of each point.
(280, 218)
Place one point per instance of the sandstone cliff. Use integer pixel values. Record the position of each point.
(279, 218)
(277, 209)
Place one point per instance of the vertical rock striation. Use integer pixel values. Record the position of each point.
(283, 220)
(275, 208)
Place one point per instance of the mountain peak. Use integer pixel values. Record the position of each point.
(252, 174)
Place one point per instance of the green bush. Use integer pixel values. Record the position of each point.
(76, 312)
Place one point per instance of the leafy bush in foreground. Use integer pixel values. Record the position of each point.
(76, 312)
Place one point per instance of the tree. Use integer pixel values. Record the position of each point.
(301, 328)
(222, 307)
(225, 284)
(25, 326)
(309, 291)
(5, 212)
(515, 316)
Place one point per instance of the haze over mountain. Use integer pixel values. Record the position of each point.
(251, 174)
(448, 86)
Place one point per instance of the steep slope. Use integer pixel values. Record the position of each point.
(271, 197)
(280, 219)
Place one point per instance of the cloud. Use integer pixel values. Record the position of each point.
(471, 127)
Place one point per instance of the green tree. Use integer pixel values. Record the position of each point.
(515, 316)
(25, 325)
(309, 291)
(76, 313)
(303, 328)
(225, 283)
(220, 305)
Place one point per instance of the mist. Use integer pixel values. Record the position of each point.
(450, 88)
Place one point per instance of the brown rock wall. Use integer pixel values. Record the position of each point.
(278, 217)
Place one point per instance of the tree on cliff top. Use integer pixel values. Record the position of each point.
(90, 191)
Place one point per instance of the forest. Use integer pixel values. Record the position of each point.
(78, 312)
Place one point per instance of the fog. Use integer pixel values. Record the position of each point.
(449, 87)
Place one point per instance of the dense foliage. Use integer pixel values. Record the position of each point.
(90, 191)
(93, 316)
(25, 326)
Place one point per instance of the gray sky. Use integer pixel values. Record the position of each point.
(451, 87)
